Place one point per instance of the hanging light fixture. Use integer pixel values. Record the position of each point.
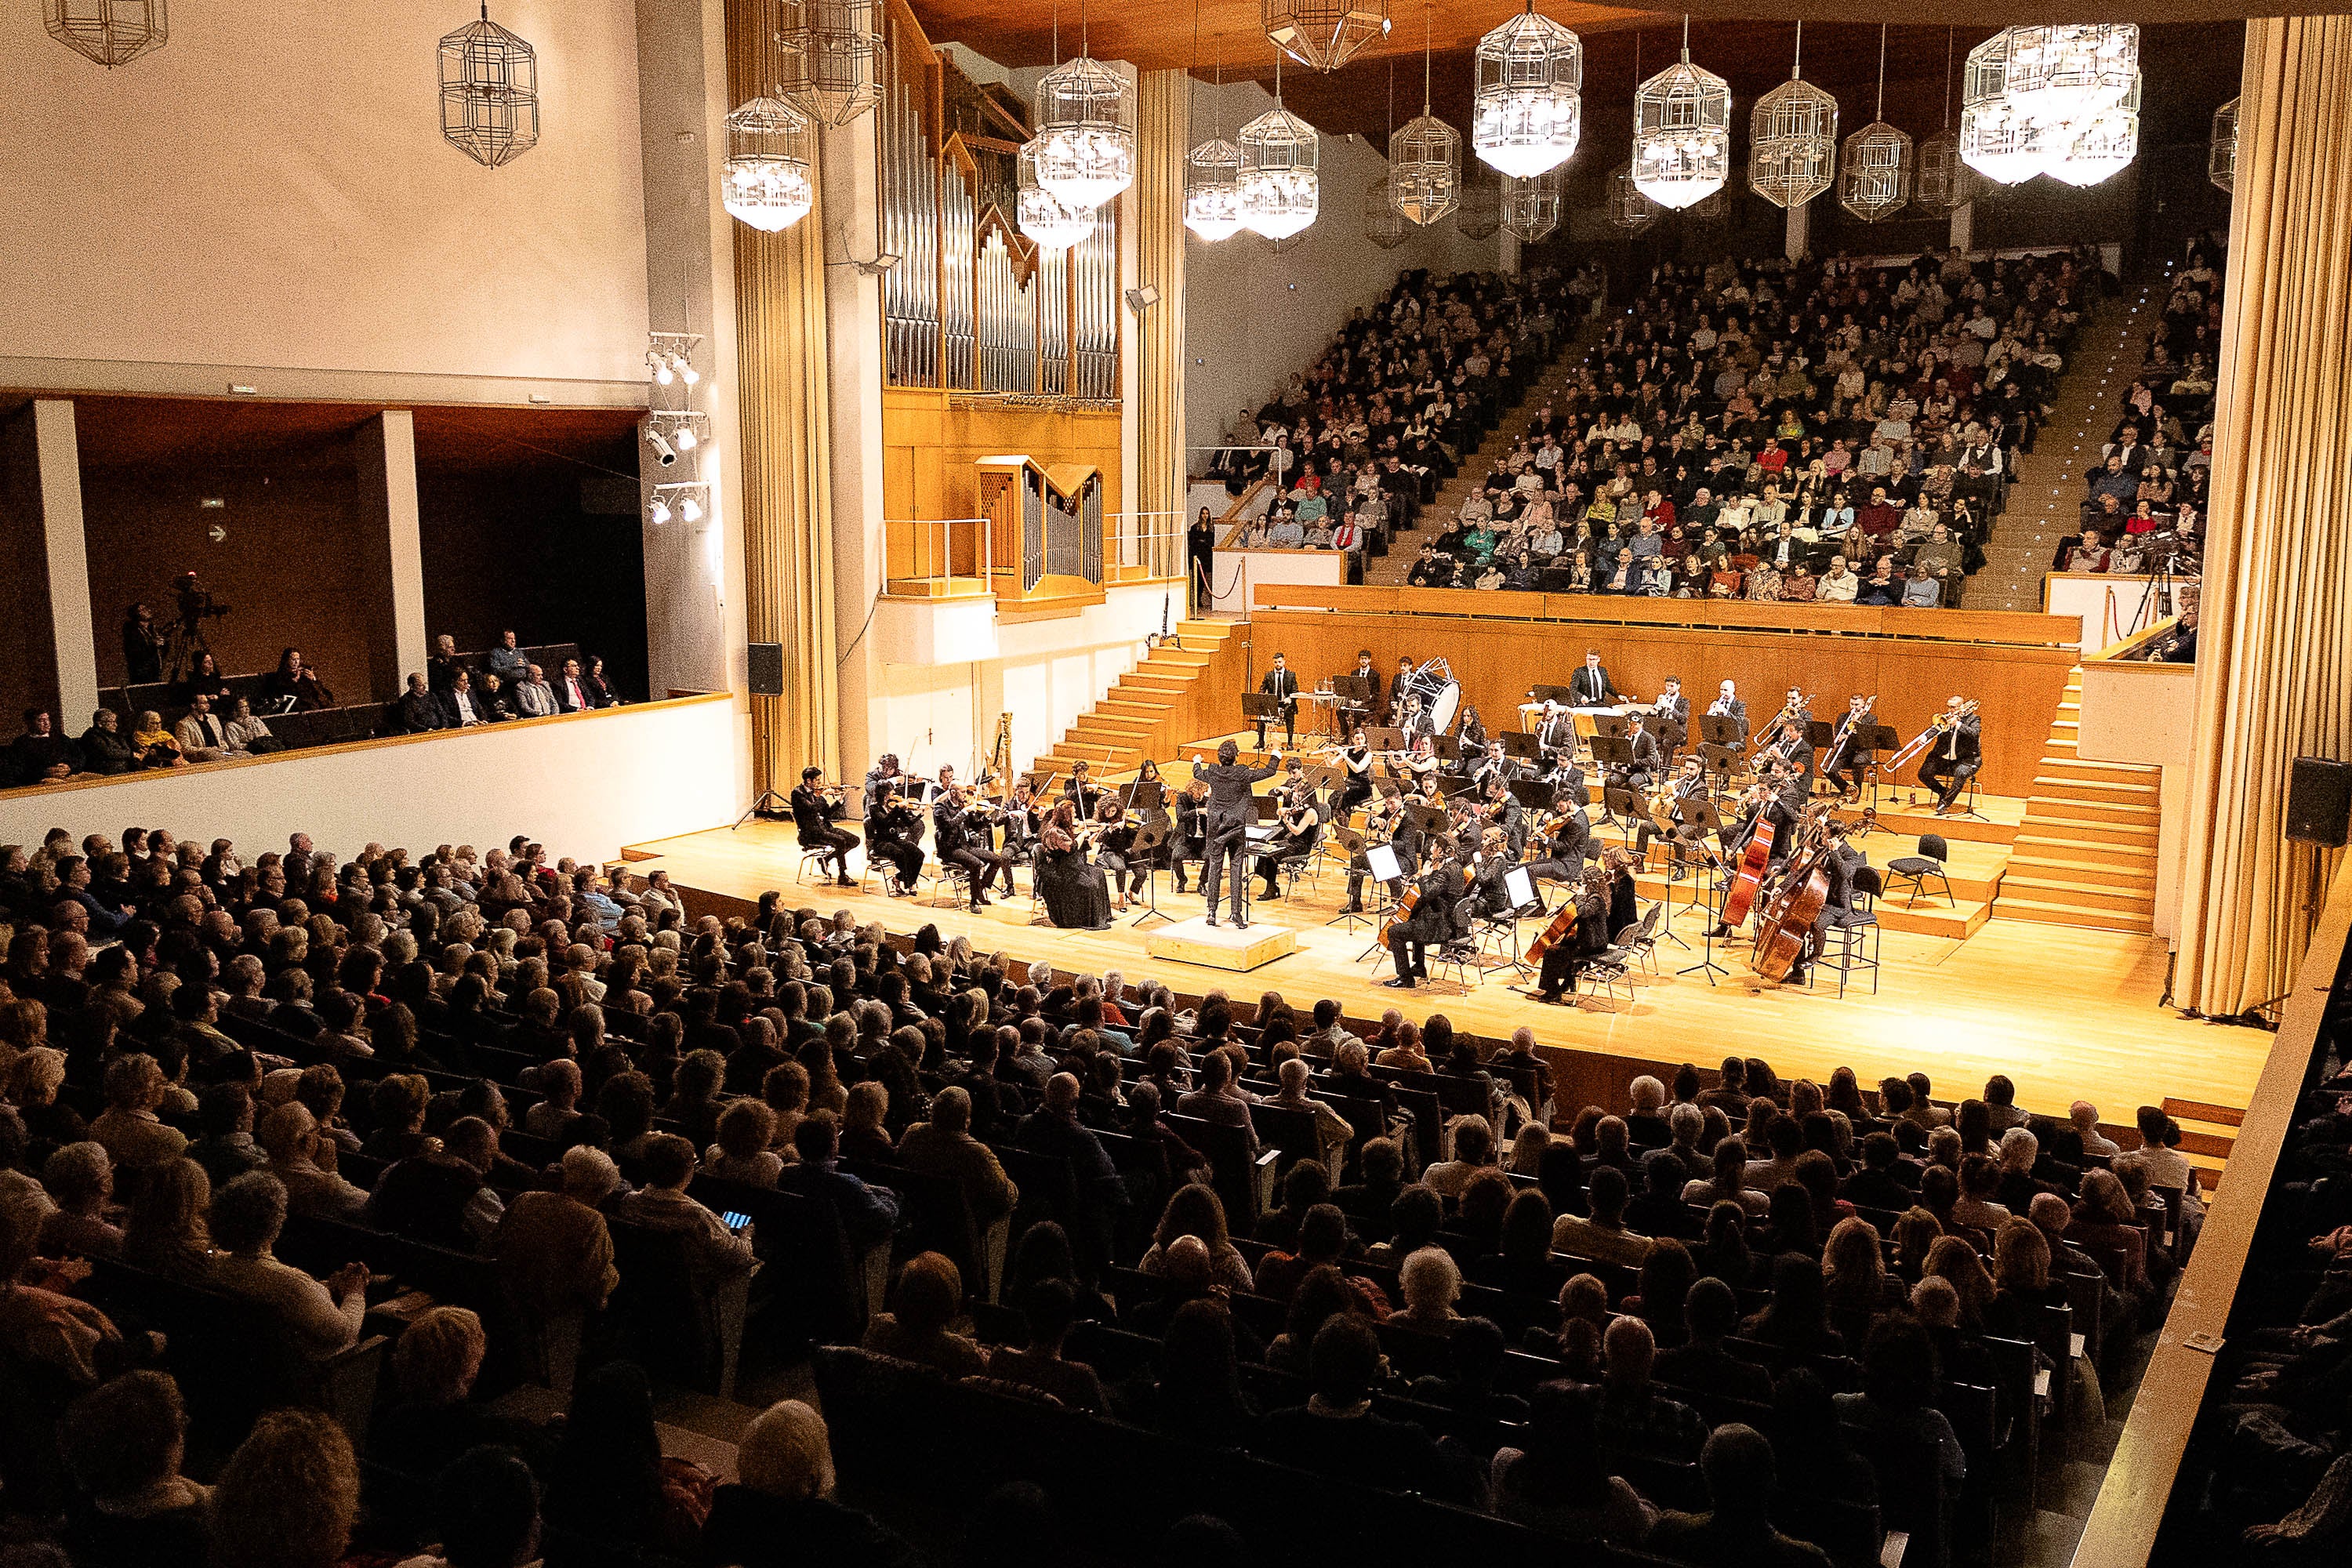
(1532, 206)
(1995, 139)
(830, 57)
(1280, 191)
(1875, 181)
(1212, 177)
(1383, 225)
(765, 181)
(1941, 182)
(1086, 130)
(1527, 113)
(2062, 76)
(1629, 209)
(109, 32)
(1479, 212)
(1682, 132)
(1323, 34)
(489, 92)
(1792, 138)
(2222, 158)
(1425, 157)
(1053, 222)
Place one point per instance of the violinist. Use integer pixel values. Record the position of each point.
(1568, 956)
(1432, 920)
(1385, 823)
(1689, 788)
(1071, 887)
(1490, 870)
(817, 808)
(1848, 757)
(960, 838)
(1422, 765)
(1080, 788)
(1503, 810)
(1565, 841)
(1297, 826)
(880, 780)
(1115, 848)
(1955, 755)
(1020, 817)
(1188, 841)
(894, 836)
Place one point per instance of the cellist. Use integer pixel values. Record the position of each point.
(1566, 957)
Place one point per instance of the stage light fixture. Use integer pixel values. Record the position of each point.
(664, 452)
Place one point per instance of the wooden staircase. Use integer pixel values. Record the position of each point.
(1155, 709)
(2085, 853)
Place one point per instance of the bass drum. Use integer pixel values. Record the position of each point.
(1439, 695)
(1443, 707)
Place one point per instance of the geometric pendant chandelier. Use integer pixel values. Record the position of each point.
(1874, 178)
(489, 92)
(1682, 132)
(1792, 139)
(110, 32)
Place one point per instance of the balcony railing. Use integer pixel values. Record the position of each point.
(937, 558)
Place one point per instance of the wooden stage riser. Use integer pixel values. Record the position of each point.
(2019, 688)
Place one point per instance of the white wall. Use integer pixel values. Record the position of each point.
(1251, 317)
(271, 188)
(583, 786)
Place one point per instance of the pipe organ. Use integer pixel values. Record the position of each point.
(973, 305)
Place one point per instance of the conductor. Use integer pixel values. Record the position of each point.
(1227, 818)
(1591, 686)
(1281, 683)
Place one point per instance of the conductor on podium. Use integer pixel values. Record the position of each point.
(1226, 818)
(1281, 683)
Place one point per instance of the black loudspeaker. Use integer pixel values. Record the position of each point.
(2319, 802)
(767, 668)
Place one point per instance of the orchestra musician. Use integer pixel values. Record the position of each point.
(1564, 841)
(1189, 840)
(818, 809)
(1848, 757)
(960, 838)
(1556, 734)
(1355, 760)
(1281, 683)
(1649, 758)
(1591, 686)
(1565, 776)
(1385, 823)
(1229, 814)
(1434, 920)
(894, 834)
(1728, 705)
(1490, 870)
(1954, 756)
(1020, 816)
(1361, 712)
(1400, 700)
(1081, 789)
(1673, 709)
(1789, 737)
(1115, 848)
(1840, 860)
(1588, 941)
(1492, 766)
(1421, 767)
(880, 780)
(1500, 808)
(1297, 826)
(1469, 734)
(1071, 887)
(1688, 787)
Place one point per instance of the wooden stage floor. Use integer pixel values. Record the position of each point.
(2065, 1012)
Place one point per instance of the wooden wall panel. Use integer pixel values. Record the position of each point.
(1497, 661)
(929, 444)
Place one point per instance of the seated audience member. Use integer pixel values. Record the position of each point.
(1046, 1309)
(917, 1327)
(610, 1481)
(79, 1179)
(320, 1318)
(1560, 1484)
(419, 712)
(1337, 1433)
(867, 1214)
(780, 1511)
(1632, 1415)
(461, 705)
(1736, 1530)
(944, 1146)
(431, 1414)
(201, 735)
(290, 1496)
(712, 1249)
(1701, 1363)
(599, 688)
(39, 756)
(533, 698)
(106, 750)
(123, 1442)
(572, 690)
(1601, 1236)
(554, 1250)
(486, 1510)
(443, 1197)
(294, 687)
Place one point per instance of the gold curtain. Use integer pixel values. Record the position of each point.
(2275, 619)
(1163, 130)
(786, 413)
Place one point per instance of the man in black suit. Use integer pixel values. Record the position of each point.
(1227, 818)
(1954, 756)
(1397, 692)
(1281, 683)
(417, 710)
(816, 815)
(1556, 735)
(1673, 709)
(961, 841)
(1728, 705)
(570, 691)
(1649, 757)
(1431, 924)
(1361, 712)
(1849, 759)
(1591, 686)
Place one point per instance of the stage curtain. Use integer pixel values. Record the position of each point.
(782, 354)
(2276, 628)
(1163, 132)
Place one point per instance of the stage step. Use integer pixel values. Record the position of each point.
(2131, 875)
(2119, 792)
(2037, 913)
(2085, 853)
(2063, 764)
(2023, 883)
(1105, 718)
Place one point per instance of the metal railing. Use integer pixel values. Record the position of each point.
(936, 557)
(1144, 545)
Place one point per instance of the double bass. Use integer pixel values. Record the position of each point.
(1747, 881)
(1786, 927)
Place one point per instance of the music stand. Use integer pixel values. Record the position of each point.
(1447, 748)
(1260, 709)
(1535, 795)
(1383, 868)
(1145, 852)
(1616, 799)
(1386, 738)
(1451, 784)
(1722, 729)
(1611, 752)
(1720, 761)
(1543, 694)
(1354, 692)
(1713, 904)
(1520, 746)
(1881, 742)
(1041, 782)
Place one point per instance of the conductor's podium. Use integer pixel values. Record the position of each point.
(1221, 946)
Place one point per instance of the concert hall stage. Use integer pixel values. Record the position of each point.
(2064, 1012)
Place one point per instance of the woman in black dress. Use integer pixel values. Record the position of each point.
(1115, 848)
(1201, 548)
(1077, 896)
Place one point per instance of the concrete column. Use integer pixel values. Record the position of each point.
(1799, 233)
(1964, 225)
(853, 310)
(60, 458)
(385, 448)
